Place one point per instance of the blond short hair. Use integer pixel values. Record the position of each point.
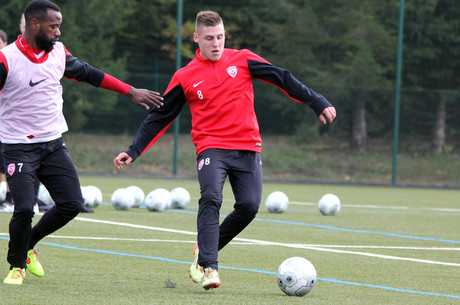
(207, 18)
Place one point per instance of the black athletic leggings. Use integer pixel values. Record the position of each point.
(51, 163)
(244, 171)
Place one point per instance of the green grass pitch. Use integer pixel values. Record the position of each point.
(385, 246)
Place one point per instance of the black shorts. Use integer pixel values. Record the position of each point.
(50, 162)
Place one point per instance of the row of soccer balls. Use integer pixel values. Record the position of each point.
(179, 198)
(92, 195)
(130, 197)
(277, 202)
(157, 200)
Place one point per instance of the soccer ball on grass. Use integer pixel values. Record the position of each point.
(329, 205)
(277, 202)
(122, 199)
(296, 276)
(89, 197)
(158, 200)
(180, 198)
(138, 194)
(97, 195)
(44, 195)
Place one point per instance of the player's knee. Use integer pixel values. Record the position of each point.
(211, 198)
(69, 209)
(23, 212)
(250, 209)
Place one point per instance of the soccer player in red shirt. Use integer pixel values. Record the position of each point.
(31, 130)
(217, 85)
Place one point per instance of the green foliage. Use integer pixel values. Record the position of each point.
(342, 49)
(92, 41)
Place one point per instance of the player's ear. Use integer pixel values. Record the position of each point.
(195, 37)
(34, 24)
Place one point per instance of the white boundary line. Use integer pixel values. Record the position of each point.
(299, 246)
(244, 243)
(323, 248)
(370, 206)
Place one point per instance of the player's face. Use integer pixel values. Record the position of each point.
(211, 40)
(2, 43)
(49, 31)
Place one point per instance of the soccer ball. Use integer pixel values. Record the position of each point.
(2, 191)
(97, 195)
(277, 202)
(180, 198)
(296, 276)
(122, 199)
(158, 200)
(329, 204)
(89, 197)
(44, 195)
(138, 194)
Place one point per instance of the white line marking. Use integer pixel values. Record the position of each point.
(274, 243)
(247, 243)
(269, 243)
(299, 246)
(370, 206)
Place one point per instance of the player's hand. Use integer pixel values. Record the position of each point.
(122, 158)
(144, 98)
(329, 114)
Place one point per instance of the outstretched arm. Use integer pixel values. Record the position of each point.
(263, 70)
(81, 71)
(154, 125)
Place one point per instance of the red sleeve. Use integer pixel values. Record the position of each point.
(111, 83)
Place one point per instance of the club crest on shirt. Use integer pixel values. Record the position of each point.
(11, 168)
(232, 71)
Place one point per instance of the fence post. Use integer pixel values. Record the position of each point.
(178, 66)
(398, 92)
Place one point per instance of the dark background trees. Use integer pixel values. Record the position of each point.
(344, 49)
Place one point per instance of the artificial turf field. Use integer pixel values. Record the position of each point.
(385, 246)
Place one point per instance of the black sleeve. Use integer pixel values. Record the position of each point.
(2, 74)
(284, 79)
(82, 72)
(157, 121)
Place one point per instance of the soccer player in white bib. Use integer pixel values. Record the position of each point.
(31, 130)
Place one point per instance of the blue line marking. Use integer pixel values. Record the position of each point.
(338, 229)
(245, 269)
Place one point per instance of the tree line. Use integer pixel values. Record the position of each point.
(345, 50)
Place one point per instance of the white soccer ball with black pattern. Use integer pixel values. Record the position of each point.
(44, 195)
(329, 205)
(2, 191)
(180, 198)
(158, 200)
(277, 202)
(89, 196)
(122, 199)
(138, 194)
(97, 195)
(296, 276)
